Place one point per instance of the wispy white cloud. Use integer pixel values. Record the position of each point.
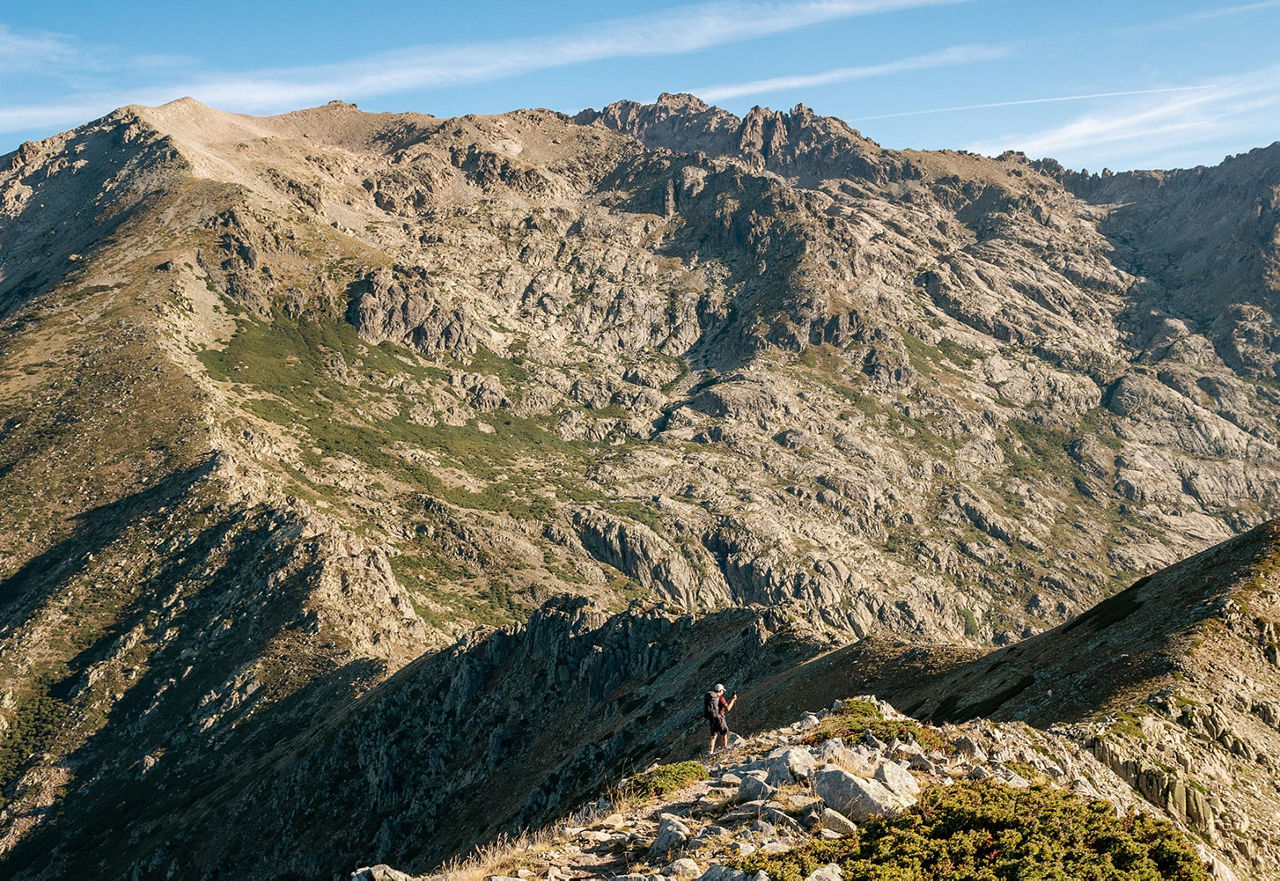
(1201, 114)
(673, 31)
(1204, 15)
(1024, 101)
(24, 52)
(943, 58)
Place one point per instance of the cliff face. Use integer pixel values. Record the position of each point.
(290, 402)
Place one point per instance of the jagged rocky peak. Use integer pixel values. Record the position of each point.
(796, 143)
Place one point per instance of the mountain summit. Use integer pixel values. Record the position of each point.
(314, 421)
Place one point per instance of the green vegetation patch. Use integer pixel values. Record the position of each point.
(293, 362)
(856, 718)
(663, 779)
(1047, 449)
(988, 830)
(32, 730)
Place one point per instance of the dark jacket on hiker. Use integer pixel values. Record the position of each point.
(714, 707)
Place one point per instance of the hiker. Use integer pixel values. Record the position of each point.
(714, 709)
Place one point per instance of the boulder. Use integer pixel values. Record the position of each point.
(829, 872)
(835, 752)
(380, 873)
(969, 748)
(835, 821)
(791, 765)
(672, 834)
(898, 779)
(683, 868)
(723, 873)
(856, 798)
(753, 788)
(923, 764)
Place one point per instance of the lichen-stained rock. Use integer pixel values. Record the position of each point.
(897, 779)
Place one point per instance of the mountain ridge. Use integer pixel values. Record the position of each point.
(293, 402)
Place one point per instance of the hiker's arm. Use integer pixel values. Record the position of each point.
(733, 700)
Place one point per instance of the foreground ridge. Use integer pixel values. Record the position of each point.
(796, 802)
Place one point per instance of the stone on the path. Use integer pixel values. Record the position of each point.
(753, 788)
(790, 765)
(683, 868)
(672, 833)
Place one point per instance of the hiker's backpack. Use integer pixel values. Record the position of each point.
(711, 706)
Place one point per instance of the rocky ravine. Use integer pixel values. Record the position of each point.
(290, 402)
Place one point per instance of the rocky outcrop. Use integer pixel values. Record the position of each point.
(634, 549)
(407, 311)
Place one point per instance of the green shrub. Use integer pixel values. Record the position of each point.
(989, 830)
(856, 718)
(663, 779)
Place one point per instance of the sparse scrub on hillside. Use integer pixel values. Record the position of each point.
(658, 781)
(987, 829)
(856, 718)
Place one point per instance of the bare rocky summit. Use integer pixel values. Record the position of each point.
(291, 404)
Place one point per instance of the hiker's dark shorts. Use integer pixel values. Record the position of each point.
(718, 726)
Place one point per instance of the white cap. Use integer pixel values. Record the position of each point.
(719, 687)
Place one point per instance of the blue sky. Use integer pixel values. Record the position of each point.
(1140, 84)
